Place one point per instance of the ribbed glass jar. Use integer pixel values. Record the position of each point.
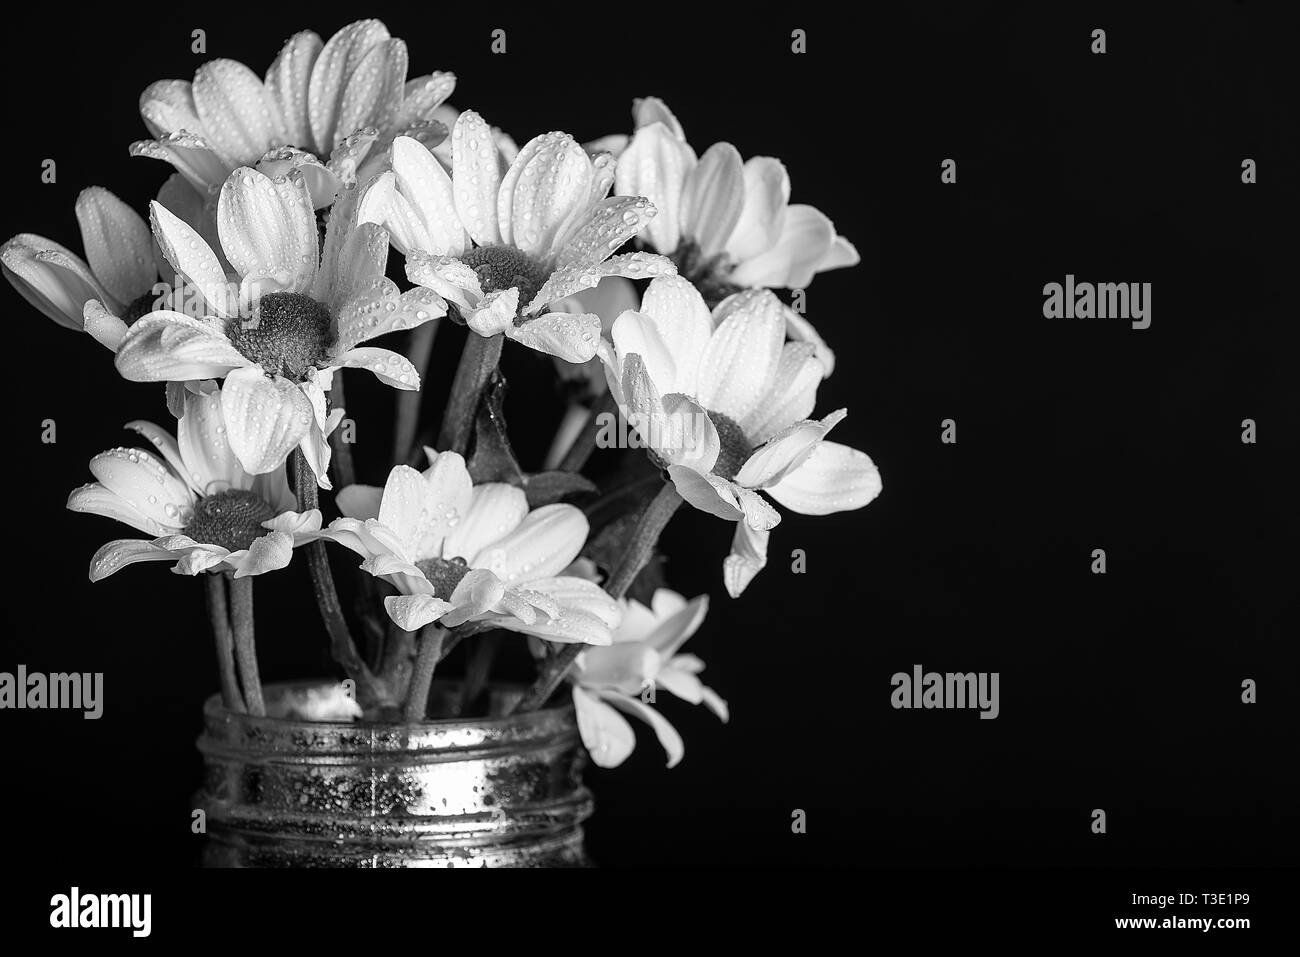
(476, 792)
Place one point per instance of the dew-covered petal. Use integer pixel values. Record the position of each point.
(268, 228)
(50, 277)
(743, 354)
(495, 510)
(335, 64)
(790, 396)
(190, 154)
(95, 499)
(209, 462)
(655, 165)
(413, 612)
(603, 229)
(421, 180)
(835, 478)
(476, 176)
(567, 336)
(374, 90)
(449, 495)
(170, 347)
(119, 247)
(287, 81)
(116, 555)
(167, 106)
(265, 418)
(240, 119)
(684, 324)
(390, 368)
(147, 483)
(102, 326)
(551, 184)
(190, 255)
(542, 545)
(421, 98)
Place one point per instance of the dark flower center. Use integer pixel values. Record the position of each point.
(289, 335)
(139, 308)
(232, 519)
(734, 448)
(501, 267)
(709, 275)
(444, 574)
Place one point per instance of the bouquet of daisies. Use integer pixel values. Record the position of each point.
(265, 270)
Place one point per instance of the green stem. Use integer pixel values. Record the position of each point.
(585, 443)
(219, 614)
(408, 401)
(477, 362)
(342, 647)
(241, 617)
(426, 661)
(639, 549)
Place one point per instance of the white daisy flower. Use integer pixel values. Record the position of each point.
(319, 101)
(643, 655)
(113, 286)
(306, 317)
(728, 224)
(503, 245)
(207, 512)
(722, 402)
(459, 552)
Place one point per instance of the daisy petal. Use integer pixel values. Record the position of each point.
(668, 737)
(102, 326)
(286, 84)
(169, 347)
(791, 395)
(567, 336)
(240, 119)
(389, 367)
(607, 736)
(835, 478)
(655, 165)
(167, 106)
(265, 418)
(337, 61)
(495, 510)
(542, 545)
(210, 464)
(767, 192)
(743, 353)
(116, 555)
(374, 91)
(268, 228)
(266, 554)
(712, 198)
(95, 499)
(552, 184)
(51, 277)
(806, 238)
(147, 484)
(476, 176)
(118, 245)
(747, 558)
(190, 255)
(413, 612)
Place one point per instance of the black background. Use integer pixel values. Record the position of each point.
(1119, 691)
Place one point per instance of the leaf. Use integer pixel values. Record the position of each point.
(493, 459)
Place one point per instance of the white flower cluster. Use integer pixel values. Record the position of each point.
(261, 273)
